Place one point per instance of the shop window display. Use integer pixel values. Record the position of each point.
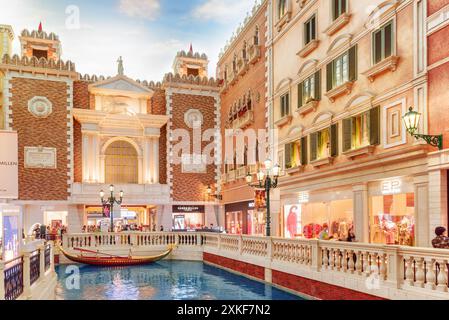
(234, 222)
(392, 219)
(308, 220)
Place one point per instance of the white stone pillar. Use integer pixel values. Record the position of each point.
(421, 186)
(155, 145)
(96, 157)
(2, 281)
(75, 219)
(437, 200)
(275, 211)
(147, 174)
(41, 248)
(361, 212)
(26, 275)
(85, 157)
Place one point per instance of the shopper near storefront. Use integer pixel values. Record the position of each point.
(324, 234)
(441, 241)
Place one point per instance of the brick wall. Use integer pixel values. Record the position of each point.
(188, 186)
(82, 99)
(157, 103)
(49, 132)
(163, 156)
(81, 96)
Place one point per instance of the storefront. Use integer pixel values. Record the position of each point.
(188, 217)
(129, 215)
(10, 231)
(244, 218)
(392, 212)
(311, 212)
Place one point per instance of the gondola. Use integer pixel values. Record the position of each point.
(107, 260)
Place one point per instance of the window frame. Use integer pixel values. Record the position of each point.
(310, 30)
(284, 100)
(284, 7)
(340, 10)
(393, 41)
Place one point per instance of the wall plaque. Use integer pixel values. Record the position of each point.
(40, 157)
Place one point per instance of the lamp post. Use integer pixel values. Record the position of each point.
(411, 121)
(266, 181)
(111, 201)
(216, 195)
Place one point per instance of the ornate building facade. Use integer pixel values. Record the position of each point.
(79, 134)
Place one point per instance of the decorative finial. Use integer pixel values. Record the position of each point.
(121, 70)
(191, 49)
(40, 27)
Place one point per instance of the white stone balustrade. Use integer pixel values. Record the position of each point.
(392, 272)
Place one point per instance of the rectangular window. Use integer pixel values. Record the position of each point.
(338, 8)
(310, 30)
(342, 69)
(361, 130)
(383, 42)
(309, 89)
(40, 53)
(320, 144)
(285, 105)
(292, 154)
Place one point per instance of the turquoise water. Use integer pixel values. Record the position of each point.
(165, 280)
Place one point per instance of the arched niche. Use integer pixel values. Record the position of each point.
(340, 41)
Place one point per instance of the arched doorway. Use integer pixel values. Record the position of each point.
(121, 163)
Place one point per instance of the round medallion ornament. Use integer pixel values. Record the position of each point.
(193, 118)
(40, 107)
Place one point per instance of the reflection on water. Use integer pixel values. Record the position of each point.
(166, 280)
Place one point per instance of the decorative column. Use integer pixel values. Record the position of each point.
(91, 153)
(275, 207)
(421, 186)
(361, 214)
(41, 249)
(2, 281)
(156, 160)
(151, 156)
(26, 274)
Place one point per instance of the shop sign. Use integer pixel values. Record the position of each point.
(303, 197)
(188, 209)
(251, 205)
(9, 165)
(391, 187)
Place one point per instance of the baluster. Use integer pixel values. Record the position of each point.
(409, 272)
(430, 274)
(366, 264)
(325, 258)
(383, 266)
(332, 259)
(358, 264)
(420, 273)
(345, 260)
(338, 259)
(374, 267)
(442, 277)
(351, 262)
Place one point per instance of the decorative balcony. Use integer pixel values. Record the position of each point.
(233, 77)
(252, 168)
(359, 151)
(225, 86)
(338, 23)
(308, 48)
(388, 64)
(310, 106)
(254, 53)
(345, 88)
(242, 66)
(231, 175)
(241, 172)
(283, 121)
(243, 121)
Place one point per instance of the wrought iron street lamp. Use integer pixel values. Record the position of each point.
(111, 201)
(411, 121)
(266, 181)
(216, 195)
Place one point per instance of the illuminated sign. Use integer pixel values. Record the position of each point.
(391, 187)
(9, 165)
(303, 197)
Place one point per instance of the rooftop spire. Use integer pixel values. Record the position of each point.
(40, 27)
(191, 48)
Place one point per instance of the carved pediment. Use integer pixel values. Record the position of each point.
(120, 85)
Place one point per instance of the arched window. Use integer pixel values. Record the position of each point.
(234, 63)
(256, 36)
(121, 163)
(244, 51)
(282, 8)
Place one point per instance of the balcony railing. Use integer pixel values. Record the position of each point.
(398, 271)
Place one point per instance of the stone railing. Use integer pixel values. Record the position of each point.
(392, 272)
(31, 275)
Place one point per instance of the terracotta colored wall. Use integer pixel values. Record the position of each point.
(49, 132)
(439, 102)
(157, 104)
(435, 5)
(81, 96)
(438, 47)
(188, 186)
(82, 99)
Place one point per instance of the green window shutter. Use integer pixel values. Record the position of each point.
(334, 140)
(318, 85)
(304, 151)
(300, 99)
(313, 146)
(353, 63)
(374, 119)
(288, 155)
(329, 70)
(347, 134)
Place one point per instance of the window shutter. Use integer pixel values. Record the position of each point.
(329, 70)
(300, 99)
(313, 146)
(347, 134)
(374, 119)
(304, 151)
(318, 85)
(334, 140)
(288, 155)
(353, 63)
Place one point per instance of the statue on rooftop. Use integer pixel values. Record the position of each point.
(121, 70)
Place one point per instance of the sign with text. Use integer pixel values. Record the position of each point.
(9, 165)
(188, 209)
(391, 187)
